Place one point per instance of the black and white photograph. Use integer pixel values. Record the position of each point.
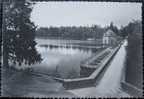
(71, 49)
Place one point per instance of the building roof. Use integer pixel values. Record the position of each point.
(109, 32)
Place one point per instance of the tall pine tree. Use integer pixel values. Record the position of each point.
(19, 34)
(113, 28)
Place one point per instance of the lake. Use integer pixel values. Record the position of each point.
(62, 58)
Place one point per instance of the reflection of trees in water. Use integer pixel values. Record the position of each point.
(80, 48)
(56, 72)
(94, 50)
(72, 74)
(65, 69)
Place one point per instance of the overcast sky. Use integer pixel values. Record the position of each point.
(47, 14)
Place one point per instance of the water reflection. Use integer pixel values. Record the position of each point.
(68, 46)
(62, 60)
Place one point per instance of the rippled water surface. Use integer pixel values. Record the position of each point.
(62, 57)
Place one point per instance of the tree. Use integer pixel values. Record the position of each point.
(19, 34)
(71, 32)
(113, 28)
(134, 63)
(133, 27)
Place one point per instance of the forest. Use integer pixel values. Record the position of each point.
(83, 32)
(73, 32)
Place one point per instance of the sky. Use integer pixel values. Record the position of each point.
(46, 14)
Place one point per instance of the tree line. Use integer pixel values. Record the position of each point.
(73, 32)
(83, 32)
(135, 26)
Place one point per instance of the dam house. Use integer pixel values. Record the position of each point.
(109, 39)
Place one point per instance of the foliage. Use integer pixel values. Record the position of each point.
(81, 33)
(132, 27)
(114, 28)
(19, 34)
(134, 54)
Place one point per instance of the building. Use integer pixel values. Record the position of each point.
(109, 38)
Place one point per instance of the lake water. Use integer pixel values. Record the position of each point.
(62, 58)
